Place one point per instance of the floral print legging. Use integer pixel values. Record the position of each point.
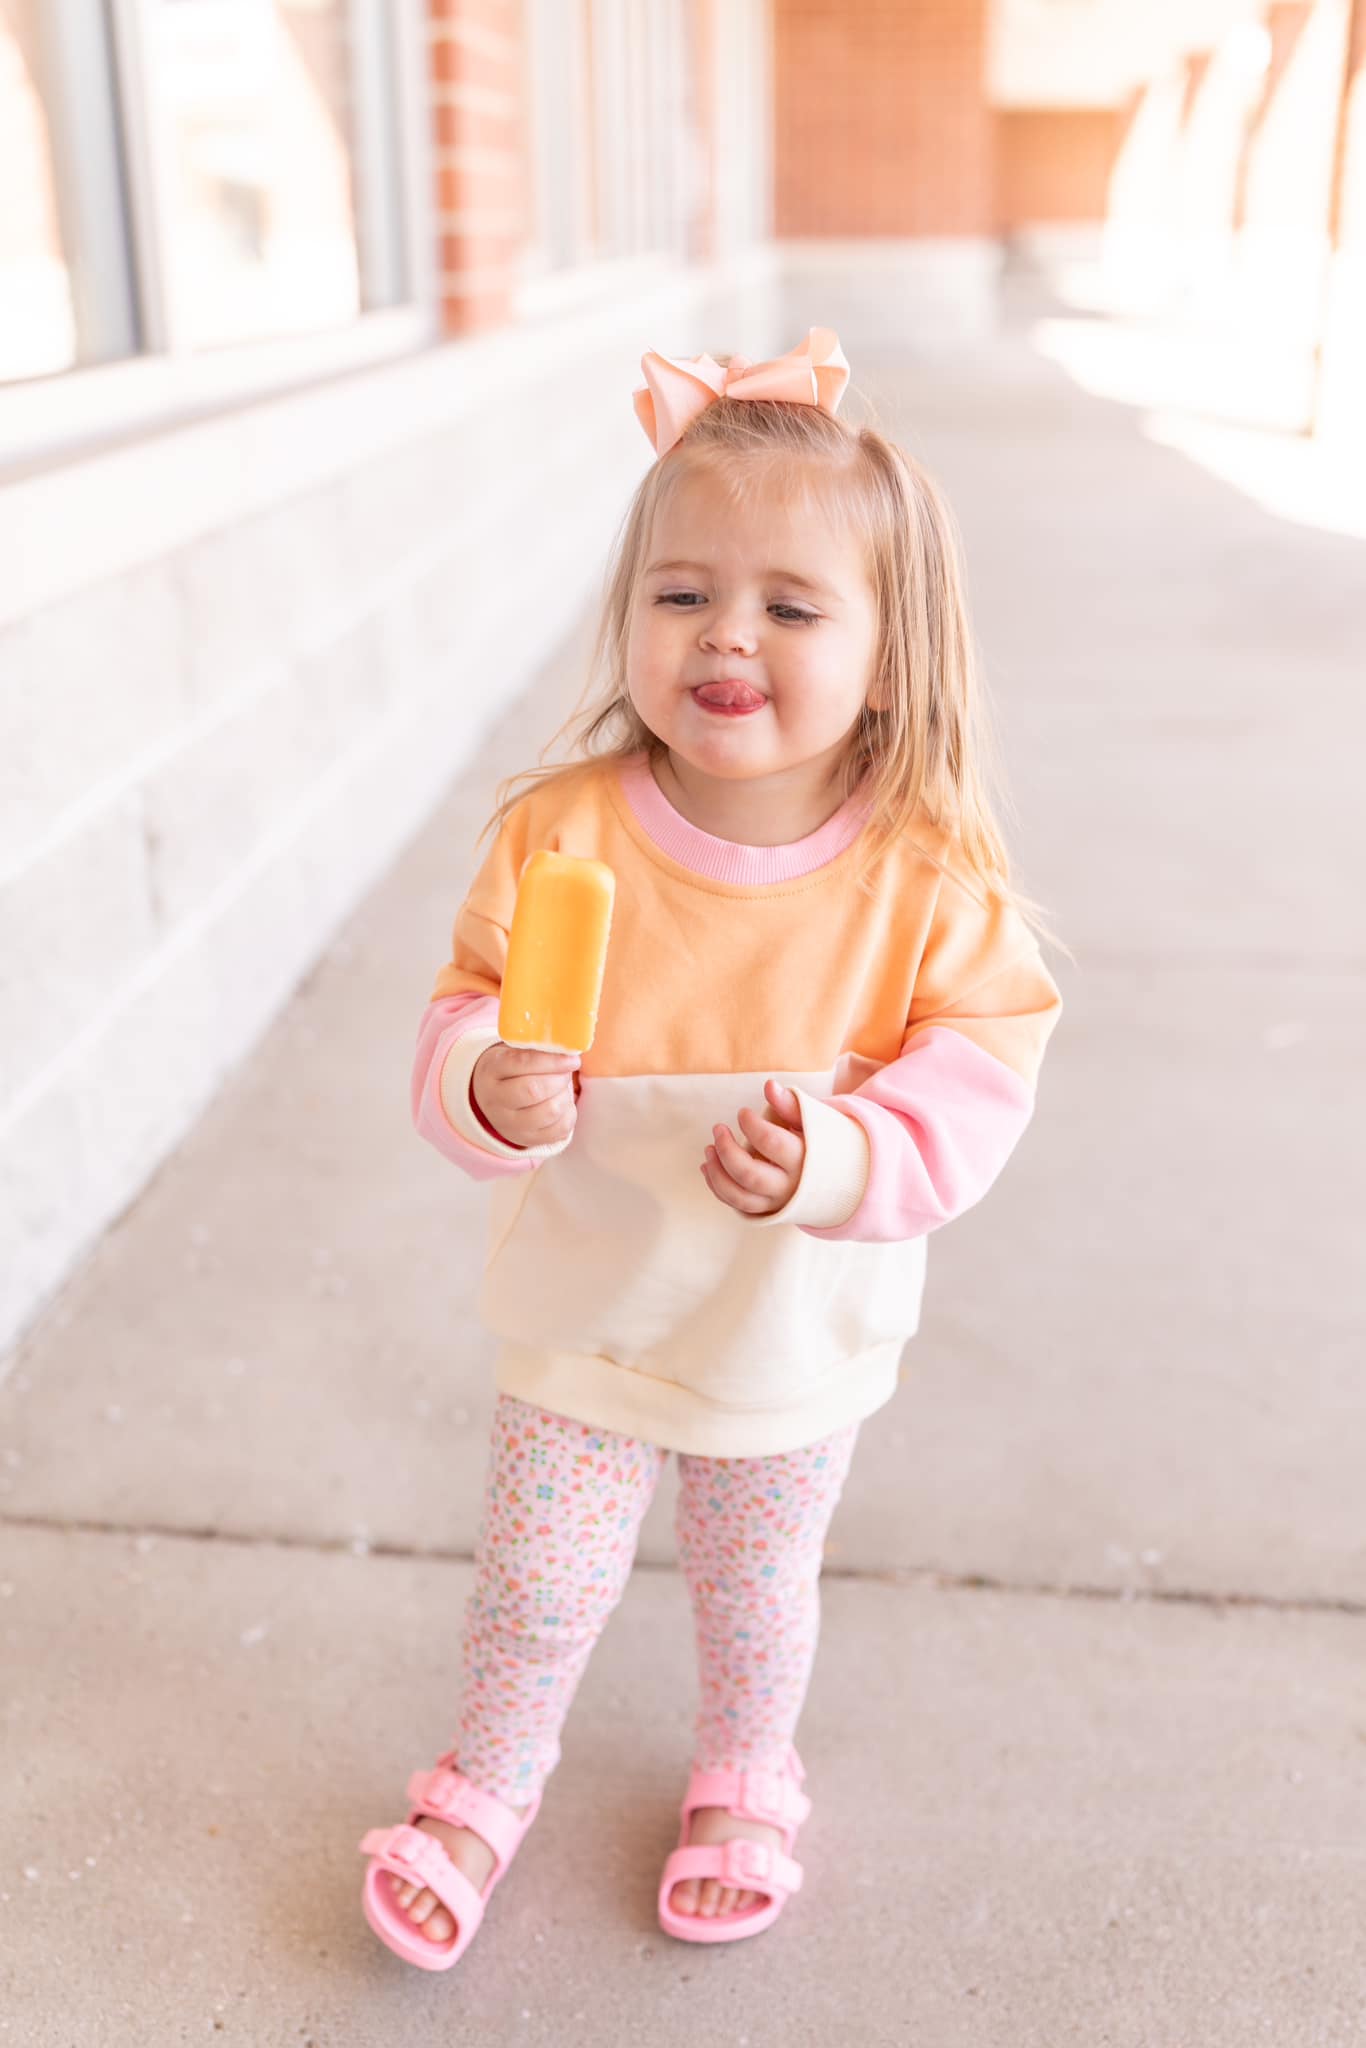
(562, 1510)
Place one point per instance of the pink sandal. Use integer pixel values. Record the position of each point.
(775, 1797)
(415, 1857)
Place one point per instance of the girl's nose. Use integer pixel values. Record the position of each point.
(731, 636)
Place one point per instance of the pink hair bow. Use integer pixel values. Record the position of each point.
(678, 388)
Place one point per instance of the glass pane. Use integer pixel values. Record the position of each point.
(255, 165)
(37, 319)
(555, 26)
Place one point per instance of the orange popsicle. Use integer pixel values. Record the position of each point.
(557, 950)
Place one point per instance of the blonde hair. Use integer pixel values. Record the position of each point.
(928, 752)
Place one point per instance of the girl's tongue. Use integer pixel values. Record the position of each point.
(730, 695)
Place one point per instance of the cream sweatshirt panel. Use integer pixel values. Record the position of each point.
(594, 1390)
(618, 1249)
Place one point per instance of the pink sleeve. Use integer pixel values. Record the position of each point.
(941, 1121)
(443, 1022)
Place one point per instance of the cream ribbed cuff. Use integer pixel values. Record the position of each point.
(834, 1172)
(456, 1073)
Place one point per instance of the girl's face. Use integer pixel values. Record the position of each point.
(766, 605)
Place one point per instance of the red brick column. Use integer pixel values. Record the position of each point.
(1347, 203)
(1338, 399)
(881, 121)
(1286, 21)
(481, 133)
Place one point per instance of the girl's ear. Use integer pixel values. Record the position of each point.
(875, 696)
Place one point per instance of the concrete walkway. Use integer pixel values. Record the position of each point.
(1087, 1736)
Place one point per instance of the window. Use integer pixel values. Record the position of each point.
(642, 71)
(253, 137)
(609, 85)
(61, 301)
(557, 98)
(189, 181)
(37, 323)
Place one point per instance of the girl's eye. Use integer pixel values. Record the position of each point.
(792, 615)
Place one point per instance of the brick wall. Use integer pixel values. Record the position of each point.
(1053, 164)
(881, 122)
(477, 65)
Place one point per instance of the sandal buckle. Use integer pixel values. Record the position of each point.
(422, 1853)
(744, 1862)
(449, 1796)
(761, 1797)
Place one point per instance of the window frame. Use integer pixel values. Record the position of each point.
(111, 203)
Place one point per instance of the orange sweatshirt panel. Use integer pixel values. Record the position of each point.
(789, 975)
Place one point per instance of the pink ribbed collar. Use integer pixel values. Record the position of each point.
(726, 860)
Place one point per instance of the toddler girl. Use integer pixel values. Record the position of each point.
(821, 1022)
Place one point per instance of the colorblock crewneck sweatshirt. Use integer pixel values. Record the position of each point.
(910, 1021)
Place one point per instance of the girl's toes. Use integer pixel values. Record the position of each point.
(422, 1907)
(403, 1891)
(440, 1927)
(711, 1892)
(743, 1901)
(685, 1896)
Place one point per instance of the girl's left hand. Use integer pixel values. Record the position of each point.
(758, 1182)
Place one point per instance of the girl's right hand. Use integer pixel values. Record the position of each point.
(528, 1097)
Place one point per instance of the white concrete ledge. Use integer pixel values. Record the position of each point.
(239, 662)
